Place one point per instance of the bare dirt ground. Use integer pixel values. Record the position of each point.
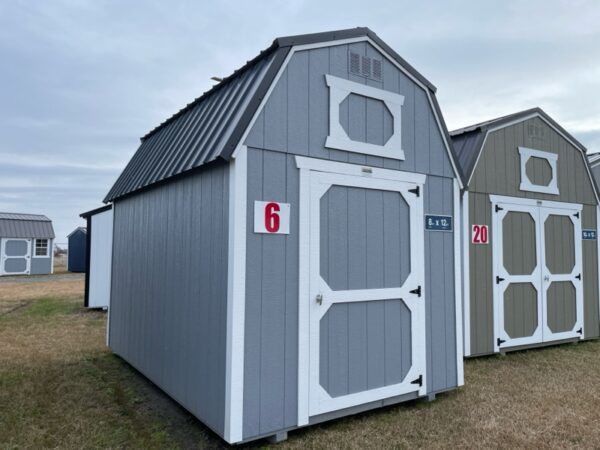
(60, 387)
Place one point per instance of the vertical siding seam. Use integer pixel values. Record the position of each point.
(262, 298)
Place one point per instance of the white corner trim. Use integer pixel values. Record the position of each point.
(466, 268)
(324, 165)
(458, 279)
(52, 256)
(339, 90)
(236, 294)
(526, 184)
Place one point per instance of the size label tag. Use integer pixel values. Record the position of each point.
(272, 217)
(438, 223)
(588, 235)
(479, 234)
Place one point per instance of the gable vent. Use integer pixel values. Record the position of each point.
(366, 67)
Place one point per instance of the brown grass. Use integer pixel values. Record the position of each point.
(61, 387)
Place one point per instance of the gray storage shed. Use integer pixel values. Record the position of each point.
(25, 244)
(284, 247)
(77, 257)
(594, 162)
(530, 218)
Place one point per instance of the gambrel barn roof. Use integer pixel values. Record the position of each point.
(209, 129)
(16, 225)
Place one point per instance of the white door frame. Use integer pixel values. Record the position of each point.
(574, 214)
(539, 210)
(316, 176)
(4, 257)
(500, 272)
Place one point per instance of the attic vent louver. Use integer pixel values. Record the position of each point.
(365, 67)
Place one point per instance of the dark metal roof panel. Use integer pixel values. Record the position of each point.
(195, 136)
(18, 228)
(19, 216)
(466, 148)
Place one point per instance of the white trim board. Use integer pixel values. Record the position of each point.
(466, 236)
(395, 63)
(525, 155)
(236, 298)
(458, 279)
(523, 119)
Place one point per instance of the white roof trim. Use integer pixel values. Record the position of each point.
(298, 48)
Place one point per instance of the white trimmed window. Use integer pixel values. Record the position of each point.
(339, 90)
(42, 248)
(541, 164)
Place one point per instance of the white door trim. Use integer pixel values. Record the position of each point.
(27, 257)
(312, 399)
(458, 279)
(549, 335)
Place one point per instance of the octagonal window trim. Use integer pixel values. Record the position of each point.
(526, 184)
(338, 139)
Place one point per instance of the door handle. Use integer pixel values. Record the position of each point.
(546, 278)
(319, 299)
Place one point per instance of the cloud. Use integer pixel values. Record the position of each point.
(81, 81)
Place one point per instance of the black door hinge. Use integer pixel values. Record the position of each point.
(498, 279)
(418, 381)
(580, 331)
(497, 208)
(416, 191)
(576, 215)
(416, 291)
(578, 277)
(500, 342)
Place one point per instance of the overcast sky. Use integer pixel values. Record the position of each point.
(80, 82)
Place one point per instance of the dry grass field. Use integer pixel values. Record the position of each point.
(61, 388)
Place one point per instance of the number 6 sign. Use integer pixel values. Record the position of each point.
(272, 217)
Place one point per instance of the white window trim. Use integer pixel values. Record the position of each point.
(339, 90)
(47, 248)
(526, 184)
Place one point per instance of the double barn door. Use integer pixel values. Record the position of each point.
(537, 274)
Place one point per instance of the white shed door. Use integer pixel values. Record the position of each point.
(367, 298)
(16, 256)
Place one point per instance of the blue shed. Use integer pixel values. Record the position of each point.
(284, 247)
(77, 258)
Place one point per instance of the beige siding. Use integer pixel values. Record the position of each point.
(499, 168)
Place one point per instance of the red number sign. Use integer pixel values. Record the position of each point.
(272, 217)
(479, 234)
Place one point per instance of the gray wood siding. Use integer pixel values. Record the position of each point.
(296, 117)
(499, 168)
(41, 266)
(499, 172)
(591, 320)
(169, 289)
(271, 334)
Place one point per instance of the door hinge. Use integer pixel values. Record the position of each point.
(416, 191)
(418, 381)
(498, 279)
(500, 342)
(416, 291)
(319, 299)
(497, 208)
(580, 331)
(576, 215)
(578, 277)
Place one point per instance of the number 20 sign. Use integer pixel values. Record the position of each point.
(479, 234)
(272, 217)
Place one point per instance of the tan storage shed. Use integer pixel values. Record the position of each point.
(530, 248)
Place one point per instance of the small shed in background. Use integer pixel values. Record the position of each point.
(77, 257)
(530, 221)
(98, 253)
(25, 244)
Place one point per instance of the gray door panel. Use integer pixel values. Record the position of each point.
(562, 306)
(520, 310)
(15, 248)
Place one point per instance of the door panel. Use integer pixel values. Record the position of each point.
(538, 293)
(518, 297)
(563, 288)
(16, 257)
(367, 314)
